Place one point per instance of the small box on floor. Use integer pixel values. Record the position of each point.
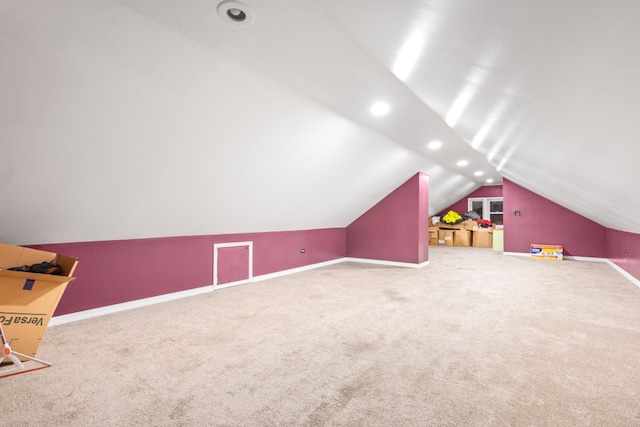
(551, 252)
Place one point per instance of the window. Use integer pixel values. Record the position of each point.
(488, 208)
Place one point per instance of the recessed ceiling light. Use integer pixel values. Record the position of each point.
(235, 12)
(380, 108)
(434, 145)
(237, 15)
(478, 173)
(462, 163)
(489, 181)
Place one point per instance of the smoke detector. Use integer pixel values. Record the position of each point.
(235, 12)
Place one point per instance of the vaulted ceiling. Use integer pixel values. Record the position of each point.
(542, 93)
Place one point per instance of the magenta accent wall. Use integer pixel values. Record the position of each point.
(113, 272)
(619, 242)
(462, 205)
(396, 228)
(545, 222)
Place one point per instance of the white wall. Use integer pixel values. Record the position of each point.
(113, 127)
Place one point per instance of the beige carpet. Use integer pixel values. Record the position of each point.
(474, 339)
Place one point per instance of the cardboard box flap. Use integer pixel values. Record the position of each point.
(27, 275)
(15, 256)
(67, 265)
(484, 230)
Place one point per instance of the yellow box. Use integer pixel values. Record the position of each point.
(551, 252)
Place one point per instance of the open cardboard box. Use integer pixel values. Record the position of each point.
(28, 300)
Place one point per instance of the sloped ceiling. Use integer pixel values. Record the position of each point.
(545, 92)
(149, 118)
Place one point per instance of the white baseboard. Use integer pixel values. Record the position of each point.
(109, 309)
(318, 265)
(616, 267)
(387, 263)
(623, 272)
(585, 258)
(230, 284)
(296, 270)
(517, 254)
(101, 311)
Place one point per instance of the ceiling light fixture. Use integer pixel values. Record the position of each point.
(489, 181)
(462, 163)
(434, 145)
(380, 108)
(235, 12)
(478, 173)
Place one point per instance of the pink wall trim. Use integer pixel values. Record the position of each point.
(113, 272)
(395, 229)
(619, 242)
(545, 222)
(462, 205)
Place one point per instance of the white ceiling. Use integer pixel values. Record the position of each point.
(157, 117)
(544, 93)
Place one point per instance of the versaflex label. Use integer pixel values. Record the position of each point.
(21, 318)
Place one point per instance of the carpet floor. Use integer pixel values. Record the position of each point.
(475, 338)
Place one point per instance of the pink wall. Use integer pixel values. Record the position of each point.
(233, 264)
(113, 272)
(619, 242)
(462, 205)
(545, 222)
(395, 229)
